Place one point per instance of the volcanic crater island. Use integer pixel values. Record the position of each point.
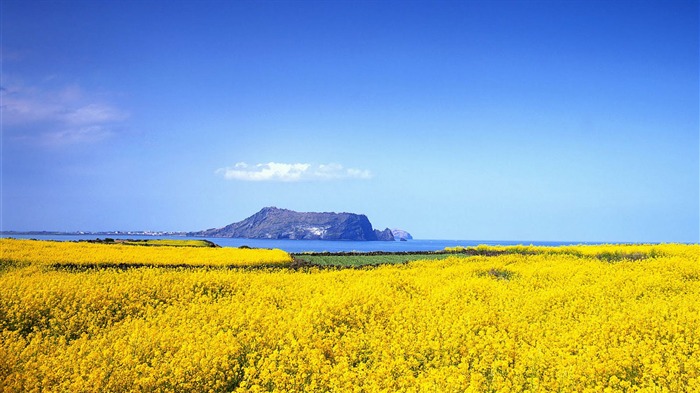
(275, 223)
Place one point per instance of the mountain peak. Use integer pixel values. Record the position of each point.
(268, 209)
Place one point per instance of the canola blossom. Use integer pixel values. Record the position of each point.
(82, 253)
(568, 319)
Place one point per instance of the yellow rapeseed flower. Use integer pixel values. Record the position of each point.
(528, 319)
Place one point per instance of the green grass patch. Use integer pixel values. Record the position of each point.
(157, 242)
(498, 274)
(172, 243)
(365, 259)
(621, 256)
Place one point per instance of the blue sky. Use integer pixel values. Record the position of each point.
(484, 120)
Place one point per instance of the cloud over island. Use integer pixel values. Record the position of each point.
(291, 172)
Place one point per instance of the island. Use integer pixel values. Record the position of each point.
(275, 223)
(400, 234)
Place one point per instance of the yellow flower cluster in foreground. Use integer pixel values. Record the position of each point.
(508, 323)
(71, 253)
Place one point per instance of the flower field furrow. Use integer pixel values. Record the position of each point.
(516, 322)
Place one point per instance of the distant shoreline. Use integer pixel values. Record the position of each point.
(188, 234)
(87, 233)
(300, 246)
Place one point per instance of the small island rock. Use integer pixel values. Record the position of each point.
(400, 234)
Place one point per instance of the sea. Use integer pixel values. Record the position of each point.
(301, 246)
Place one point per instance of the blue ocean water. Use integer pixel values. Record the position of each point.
(298, 246)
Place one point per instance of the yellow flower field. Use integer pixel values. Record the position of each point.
(71, 253)
(569, 319)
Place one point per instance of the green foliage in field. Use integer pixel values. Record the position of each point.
(364, 259)
(170, 243)
(607, 253)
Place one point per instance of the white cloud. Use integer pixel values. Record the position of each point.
(291, 172)
(93, 114)
(56, 116)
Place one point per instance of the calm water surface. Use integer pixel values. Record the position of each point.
(297, 246)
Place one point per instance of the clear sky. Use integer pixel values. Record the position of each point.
(483, 120)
